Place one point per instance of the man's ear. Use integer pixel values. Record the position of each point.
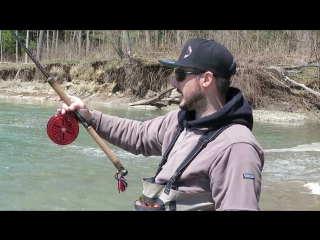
(208, 79)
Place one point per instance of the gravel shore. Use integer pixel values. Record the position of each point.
(281, 117)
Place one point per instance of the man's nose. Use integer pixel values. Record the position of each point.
(174, 83)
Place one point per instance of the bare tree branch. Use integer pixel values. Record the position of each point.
(151, 100)
(282, 73)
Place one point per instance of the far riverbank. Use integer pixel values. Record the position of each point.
(276, 117)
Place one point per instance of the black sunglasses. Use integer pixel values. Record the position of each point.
(181, 74)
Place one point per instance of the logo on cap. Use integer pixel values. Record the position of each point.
(189, 51)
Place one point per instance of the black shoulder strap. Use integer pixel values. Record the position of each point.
(202, 143)
(176, 135)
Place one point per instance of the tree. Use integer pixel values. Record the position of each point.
(148, 40)
(164, 39)
(179, 39)
(27, 45)
(52, 44)
(1, 46)
(17, 48)
(40, 44)
(47, 44)
(114, 44)
(57, 41)
(156, 39)
(80, 41)
(126, 45)
(88, 42)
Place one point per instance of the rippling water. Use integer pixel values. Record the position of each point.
(36, 174)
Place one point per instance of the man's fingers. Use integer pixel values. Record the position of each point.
(75, 105)
(61, 110)
(65, 108)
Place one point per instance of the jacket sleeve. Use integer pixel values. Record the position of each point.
(137, 137)
(236, 179)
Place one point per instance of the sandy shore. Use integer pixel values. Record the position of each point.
(274, 117)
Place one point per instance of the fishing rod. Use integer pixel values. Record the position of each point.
(122, 183)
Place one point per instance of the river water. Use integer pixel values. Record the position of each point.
(37, 174)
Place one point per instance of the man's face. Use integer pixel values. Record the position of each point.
(192, 95)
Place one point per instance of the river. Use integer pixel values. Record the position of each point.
(37, 174)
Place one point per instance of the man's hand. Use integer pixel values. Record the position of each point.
(76, 105)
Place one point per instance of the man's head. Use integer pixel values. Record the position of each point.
(203, 72)
(205, 55)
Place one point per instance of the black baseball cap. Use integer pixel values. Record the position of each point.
(205, 55)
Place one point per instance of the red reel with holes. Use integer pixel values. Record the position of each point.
(63, 129)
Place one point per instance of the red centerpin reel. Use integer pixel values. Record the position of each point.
(63, 129)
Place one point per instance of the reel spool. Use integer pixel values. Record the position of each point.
(63, 129)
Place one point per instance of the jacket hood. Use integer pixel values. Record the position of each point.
(236, 110)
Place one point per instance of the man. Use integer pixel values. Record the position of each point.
(210, 158)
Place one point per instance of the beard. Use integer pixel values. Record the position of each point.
(193, 99)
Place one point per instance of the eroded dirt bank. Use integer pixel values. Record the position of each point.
(115, 83)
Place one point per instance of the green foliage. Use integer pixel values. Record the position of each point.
(8, 42)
